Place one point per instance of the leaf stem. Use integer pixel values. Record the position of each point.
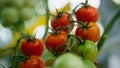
(107, 30)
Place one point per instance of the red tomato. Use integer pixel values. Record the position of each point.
(33, 62)
(60, 21)
(35, 47)
(54, 41)
(92, 33)
(86, 14)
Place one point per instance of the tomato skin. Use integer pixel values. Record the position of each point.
(89, 64)
(61, 21)
(33, 62)
(32, 48)
(88, 50)
(92, 33)
(53, 41)
(87, 13)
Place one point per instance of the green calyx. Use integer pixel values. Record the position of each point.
(85, 4)
(28, 37)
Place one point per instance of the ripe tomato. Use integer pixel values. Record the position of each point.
(86, 14)
(92, 33)
(54, 41)
(68, 60)
(33, 62)
(88, 50)
(35, 47)
(60, 21)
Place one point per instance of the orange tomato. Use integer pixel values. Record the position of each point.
(54, 41)
(91, 33)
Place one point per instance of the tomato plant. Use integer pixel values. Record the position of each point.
(86, 13)
(90, 32)
(60, 20)
(34, 47)
(68, 60)
(57, 40)
(87, 50)
(33, 62)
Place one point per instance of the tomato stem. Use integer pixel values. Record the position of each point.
(85, 4)
(28, 37)
(23, 58)
(107, 30)
(77, 37)
(57, 10)
(47, 19)
(8, 49)
(76, 7)
(15, 52)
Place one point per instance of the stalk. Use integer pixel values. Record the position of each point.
(107, 30)
(47, 19)
(15, 53)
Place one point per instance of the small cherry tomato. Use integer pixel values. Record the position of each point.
(61, 20)
(35, 47)
(88, 50)
(86, 14)
(26, 13)
(54, 41)
(91, 33)
(9, 16)
(33, 62)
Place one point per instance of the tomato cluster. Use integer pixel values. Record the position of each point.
(60, 41)
(14, 12)
(86, 35)
(33, 48)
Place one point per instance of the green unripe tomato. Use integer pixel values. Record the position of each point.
(50, 60)
(9, 16)
(88, 50)
(3, 3)
(26, 13)
(17, 3)
(68, 60)
(30, 3)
